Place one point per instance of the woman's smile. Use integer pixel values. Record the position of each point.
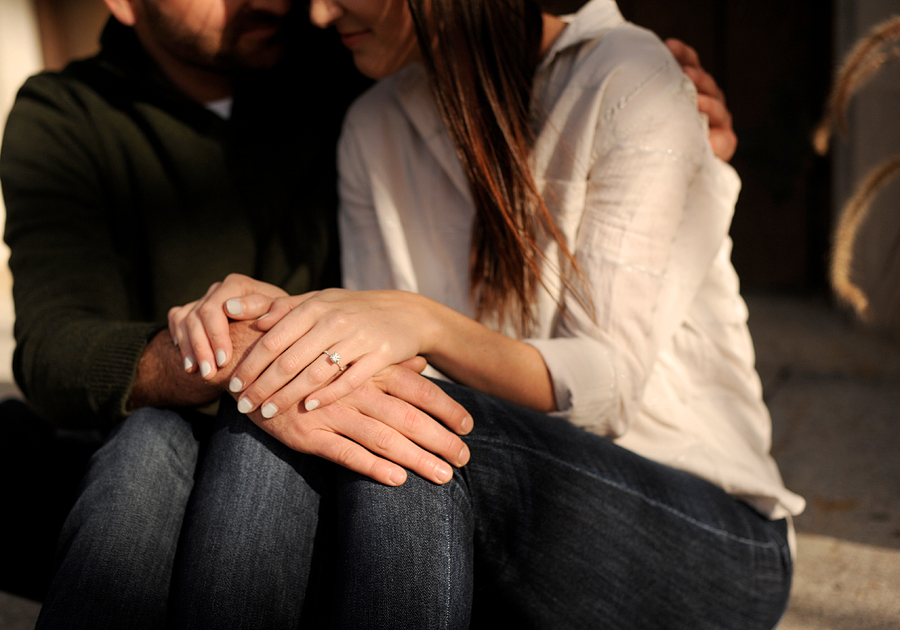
(379, 33)
(352, 39)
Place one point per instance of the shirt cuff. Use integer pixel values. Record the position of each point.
(585, 382)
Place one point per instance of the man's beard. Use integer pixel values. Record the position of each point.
(234, 50)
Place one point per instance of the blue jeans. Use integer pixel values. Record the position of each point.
(546, 527)
(175, 527)
(117, 547)
(549, 526)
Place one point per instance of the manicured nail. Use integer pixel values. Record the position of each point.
(311, 404)
(263, 316)
(466, 425)
(397, 476)
(235, 385)
(269, 410)
(220, 358)
(443, 473)
(234, 306)
(205, 368)
(244, 405)
(174, 341)
(188, 363)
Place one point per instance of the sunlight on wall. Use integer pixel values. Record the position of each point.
(20, 57)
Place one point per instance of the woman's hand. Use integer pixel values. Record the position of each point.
(200, 328)
(319, 347)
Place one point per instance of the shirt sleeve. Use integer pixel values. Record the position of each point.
(77, 344)
(657, 208)
(364, 258)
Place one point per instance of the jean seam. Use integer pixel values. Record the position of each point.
(448, 525)
(709, 528)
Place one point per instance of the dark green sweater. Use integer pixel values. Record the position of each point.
(124, 198)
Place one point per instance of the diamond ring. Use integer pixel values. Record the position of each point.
(335, 358)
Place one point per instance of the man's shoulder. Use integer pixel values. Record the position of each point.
(78, 85)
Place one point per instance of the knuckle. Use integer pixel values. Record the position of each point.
(254, 393)
(424, 391)
(288, 364)
(425, 461)
(271, 342)
(352, 379)
(384, 440)
(452, 443)
(281, 303)
(412, 421)
(319, 372)
(336, 319)
(305, 430)
(207, 309)
(348, 455)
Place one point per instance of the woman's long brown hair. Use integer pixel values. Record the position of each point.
(481, 61)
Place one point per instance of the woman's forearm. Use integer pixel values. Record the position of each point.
(473, 355)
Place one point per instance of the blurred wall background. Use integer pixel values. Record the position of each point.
(20, 56)
(873, 138)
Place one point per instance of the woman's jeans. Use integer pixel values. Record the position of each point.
(546, 527)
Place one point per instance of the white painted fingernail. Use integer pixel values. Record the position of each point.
(188, 363)
(244, 405)
(311, 404)
(205, 368)
(263, 316)
(234, 306)
(235, 385)
(269, 410)
(175, 341)
(220, 358)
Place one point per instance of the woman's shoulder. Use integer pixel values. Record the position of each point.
(623, 60)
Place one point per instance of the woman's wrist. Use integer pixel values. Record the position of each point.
(431, 320)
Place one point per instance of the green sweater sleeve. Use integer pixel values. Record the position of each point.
(78, 331)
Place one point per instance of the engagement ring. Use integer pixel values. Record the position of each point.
(335, 358)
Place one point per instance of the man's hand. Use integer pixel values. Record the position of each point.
(161, 380)
(711, 100)
(386, 425)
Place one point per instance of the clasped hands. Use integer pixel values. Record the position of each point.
(377, 416)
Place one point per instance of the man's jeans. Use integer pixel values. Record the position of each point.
(154, 535)
(546, 527)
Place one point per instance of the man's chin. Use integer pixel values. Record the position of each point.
(255, 57)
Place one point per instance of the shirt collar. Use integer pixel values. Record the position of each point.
(589, 22)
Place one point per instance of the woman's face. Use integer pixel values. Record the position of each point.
(379, 33)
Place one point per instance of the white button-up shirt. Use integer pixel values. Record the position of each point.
(665, 365)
